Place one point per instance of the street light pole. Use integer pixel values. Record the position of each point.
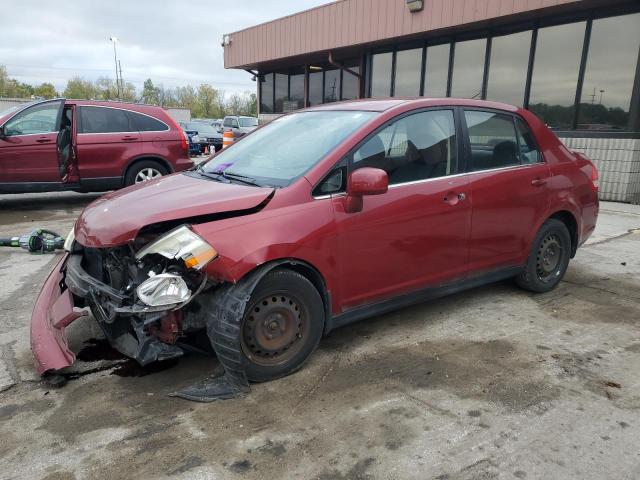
(114, 40)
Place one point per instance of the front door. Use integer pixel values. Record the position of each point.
(508, 187)
(416, 234)
(28, 151)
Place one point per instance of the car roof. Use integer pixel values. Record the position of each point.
(383, 104)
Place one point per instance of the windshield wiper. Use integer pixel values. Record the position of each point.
(212, 175)
(238, 177)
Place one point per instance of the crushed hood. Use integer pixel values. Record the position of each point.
(116, 218)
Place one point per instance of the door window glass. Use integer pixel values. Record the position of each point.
(104, 120)
(415, 147)
(34, 120)
(493, 140)
(145, 123)
(528, 150)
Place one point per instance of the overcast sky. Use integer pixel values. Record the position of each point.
(172, 42)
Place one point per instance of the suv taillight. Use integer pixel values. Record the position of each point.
(594, 177)
(185, 141)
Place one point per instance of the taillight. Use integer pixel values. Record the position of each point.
(594, 177)
(184, 138)
(184, 143)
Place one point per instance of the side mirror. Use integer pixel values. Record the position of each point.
(368, 181)
(365, 181)
(2, 134)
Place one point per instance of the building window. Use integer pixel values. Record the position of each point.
(468, 68)
(315, 88)
(331, 86)
(351, 83)
(437, 71)
(508, 68)
(610, 72)
(408, 72)
(266, 93)
(555, 73)
(381, 66)
(282, 91)
(296, 92)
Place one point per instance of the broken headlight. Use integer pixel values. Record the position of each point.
(163, 289)
(181, 244)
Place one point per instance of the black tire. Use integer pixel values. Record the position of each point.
(137, 168)
(288, 307)
(548, 259)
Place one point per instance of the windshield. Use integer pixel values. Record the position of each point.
(248, 122)
(288, 147)
(201, 128)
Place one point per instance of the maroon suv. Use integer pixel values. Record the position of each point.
(85, 145)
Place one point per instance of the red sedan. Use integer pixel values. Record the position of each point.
(323, 217)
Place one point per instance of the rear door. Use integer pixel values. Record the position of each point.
(28, 152)
(156, 137)
(508, 186)
(107, 140)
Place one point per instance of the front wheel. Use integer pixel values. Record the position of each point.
(548, 259)
(282, 325)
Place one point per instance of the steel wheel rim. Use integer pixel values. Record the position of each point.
(549, 257)
(274, 329)
(147, 174)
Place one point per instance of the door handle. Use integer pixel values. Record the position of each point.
(452, 198)
(44, 140)
(538, 182)
(129, 138)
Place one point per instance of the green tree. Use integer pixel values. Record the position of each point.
(45, 90)
(150, 93)
(106, 89)
(4, 79)
(79, 88)
(209, 102)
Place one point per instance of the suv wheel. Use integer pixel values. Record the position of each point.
(143, 171)
(282, 325)
(548, 259)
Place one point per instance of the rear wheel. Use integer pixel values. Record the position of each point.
(548, 259)
(144, 171)
(282, 325)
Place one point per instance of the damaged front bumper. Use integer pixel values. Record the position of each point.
(64, 296)
(52, 313)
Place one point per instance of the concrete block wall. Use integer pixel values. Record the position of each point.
(618, 162)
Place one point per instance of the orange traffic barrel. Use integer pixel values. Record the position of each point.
(227, 139)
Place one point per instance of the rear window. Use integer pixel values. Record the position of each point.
(104, 120)
(248, 122)
(145, 123)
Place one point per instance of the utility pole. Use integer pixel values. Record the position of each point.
(121, 82)
(114, 40)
